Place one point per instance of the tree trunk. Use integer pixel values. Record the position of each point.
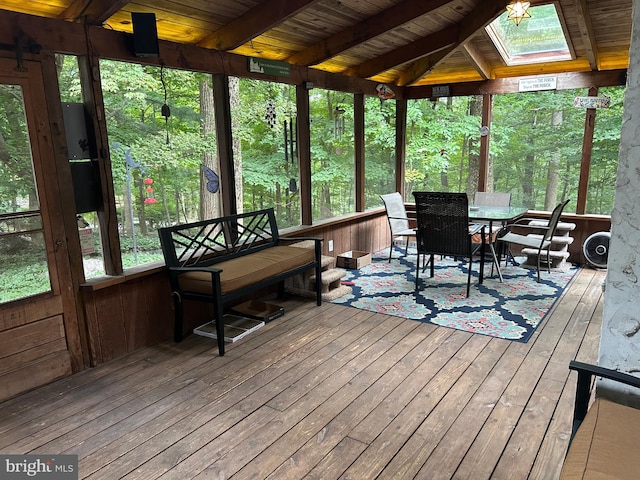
(209, 202)
(553, 176)
(234, 100)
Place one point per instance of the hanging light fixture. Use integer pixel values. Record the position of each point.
(518, 10)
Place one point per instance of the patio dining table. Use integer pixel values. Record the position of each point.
(491, 215)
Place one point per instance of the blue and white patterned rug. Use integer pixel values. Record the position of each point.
(511, 310)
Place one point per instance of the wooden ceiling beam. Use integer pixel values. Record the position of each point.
(92, 12)
(264, 16)
(365, 30)
(478, 61)
(483, 14)
(419, 68)
(443, 39)
(583, 18)
(571, 80)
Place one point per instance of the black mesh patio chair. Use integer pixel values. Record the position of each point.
(444, 229)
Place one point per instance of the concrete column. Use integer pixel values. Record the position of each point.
(620, 340)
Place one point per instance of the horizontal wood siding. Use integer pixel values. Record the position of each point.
(31, 355)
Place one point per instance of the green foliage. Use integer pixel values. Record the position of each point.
(144, 243)
(24, 269)
(23, 280)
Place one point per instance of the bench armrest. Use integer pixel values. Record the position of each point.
(195, 269)
(298, 239)
(586, 372)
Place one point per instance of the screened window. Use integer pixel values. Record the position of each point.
(24, 271)
(332, 153)
(163, 154)
(265, 148)
(604, 155)
(536, 147)
(379, 149)
(443, 140)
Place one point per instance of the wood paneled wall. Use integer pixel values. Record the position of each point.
(32, 353)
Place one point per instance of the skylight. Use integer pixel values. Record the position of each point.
(537, 39)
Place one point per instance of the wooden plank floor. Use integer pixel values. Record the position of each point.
(329, 392)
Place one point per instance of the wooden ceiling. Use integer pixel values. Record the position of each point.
(398, 42)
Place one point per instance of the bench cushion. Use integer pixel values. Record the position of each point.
(249, 269)
(606, 444)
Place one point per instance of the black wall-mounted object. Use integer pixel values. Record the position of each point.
(86, 185)
(80, 141)
(145, 35)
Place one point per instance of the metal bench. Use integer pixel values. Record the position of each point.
(226, 258)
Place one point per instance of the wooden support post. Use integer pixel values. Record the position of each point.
(222, 109)
(89, 67)
(401, 143)
(483, 167)
(358, 131)
(304, 152)
(587, 148)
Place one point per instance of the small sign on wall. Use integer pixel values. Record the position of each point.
(592, 102)
(268, 67)
(439, 91)
(536, 84)
(86, 241)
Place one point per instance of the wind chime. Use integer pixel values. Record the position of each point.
(290, 142)
(165, 111)
(290, 147)
(338, 122)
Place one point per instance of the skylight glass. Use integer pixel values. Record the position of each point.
(537, 39)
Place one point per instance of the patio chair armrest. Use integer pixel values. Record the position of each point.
(586, 372)
(508, 227)
(476, 228)
(524, 222)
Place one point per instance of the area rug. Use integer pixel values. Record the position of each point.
(511, 310)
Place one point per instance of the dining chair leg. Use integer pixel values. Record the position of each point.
(539, 255)
(406, 248)
(469, 277)
(549, 259)
(432, 260)
(417, 269)
(390, 249)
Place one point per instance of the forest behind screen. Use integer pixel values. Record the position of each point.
(158, 160)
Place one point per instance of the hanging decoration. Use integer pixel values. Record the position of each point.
(165, 110)
(150, 200)
(290, 141)
(518, 10)
(213, 181)
(384, 92)
(270, 114)
(338, 122)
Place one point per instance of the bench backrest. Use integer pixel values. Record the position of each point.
(211, 241)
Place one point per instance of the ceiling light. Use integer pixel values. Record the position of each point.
(516, 11)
